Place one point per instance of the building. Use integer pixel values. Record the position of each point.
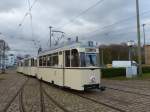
(9, 61)
(147, 54)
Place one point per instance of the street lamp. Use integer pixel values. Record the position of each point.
(144, 41)
(130, 44)
(144, 34)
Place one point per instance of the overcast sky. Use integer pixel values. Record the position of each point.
(112, 21)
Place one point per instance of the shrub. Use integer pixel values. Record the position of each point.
(113, 72)
(146, 69)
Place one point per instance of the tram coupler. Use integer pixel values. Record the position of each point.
(102, 88)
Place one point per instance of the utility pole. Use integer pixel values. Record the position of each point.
(144, 42)
(50, 28)
(139, 37)
(102, 57)
(144, 34)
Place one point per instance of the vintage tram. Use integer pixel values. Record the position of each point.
(74, 65)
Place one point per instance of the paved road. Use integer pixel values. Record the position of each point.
(19, 93)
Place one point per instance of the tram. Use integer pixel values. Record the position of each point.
(28, 66)
(73, 65)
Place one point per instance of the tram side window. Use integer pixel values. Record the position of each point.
(44, 61)
(55, 59)
(26, 63)
(49, 60)
(40, 61)
(35, 62)
(74, 58)
(67, 58)
(32, 62)
(82, 59)
(21, 64)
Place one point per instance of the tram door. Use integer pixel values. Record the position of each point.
(59, 71)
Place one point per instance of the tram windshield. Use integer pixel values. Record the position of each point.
(88, 59)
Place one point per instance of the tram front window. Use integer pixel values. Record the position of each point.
(90, 59)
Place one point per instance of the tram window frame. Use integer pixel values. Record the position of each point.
(21, 64)
(75, 58)
(35, 62)
(49, 60)
(40, 61)
(44, 61)
(55, 59)
(60, 53)
(82, 59)
(32, 62)
(89, 59)
(26, 63)
(67, 58)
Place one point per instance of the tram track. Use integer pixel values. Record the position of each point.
(19, 92)
(98, 102)
(126, 91)
(21, 105)
(54, 101)
(129, 86)
(42, 98)
(78, 94)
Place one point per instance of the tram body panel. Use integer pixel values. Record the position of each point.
(72, 79)
(33, 71)
(26, 70)
(20, 69)
(91, 76)
(52, 75)
(78, 78)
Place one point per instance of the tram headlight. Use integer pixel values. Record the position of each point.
(93, 79)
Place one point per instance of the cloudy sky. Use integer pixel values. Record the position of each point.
(111, 21)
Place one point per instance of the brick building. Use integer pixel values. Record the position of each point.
(147, 54)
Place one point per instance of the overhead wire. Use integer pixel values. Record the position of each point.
(122, 29)
(27, 13)
(83, 12)
(118, 22)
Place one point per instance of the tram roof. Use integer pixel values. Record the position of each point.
(66, 46)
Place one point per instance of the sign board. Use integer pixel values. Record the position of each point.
(124, 64)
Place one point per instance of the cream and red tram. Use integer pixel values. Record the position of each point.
(74, 66)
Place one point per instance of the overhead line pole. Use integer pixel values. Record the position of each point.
(139, 38)
(50, 40)
(144, 42)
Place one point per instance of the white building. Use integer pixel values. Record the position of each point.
(10, 60)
